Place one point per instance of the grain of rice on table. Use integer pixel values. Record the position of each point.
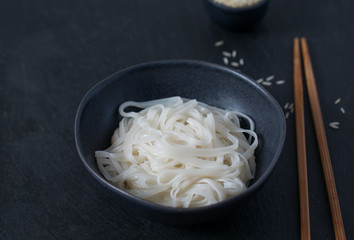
(242, 61)
(280, 82)
(226, 60)
(226, 54)
(267, 83)
(219, 43)
(334, 125)
(234, 64)
(286, 105)
(337, 101)
(270, 78)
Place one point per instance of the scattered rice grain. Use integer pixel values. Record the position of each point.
(226, 60)
(219, 43)
(286, 105)
(270, 78)
(226, 54)
(242, 61)
(234, 53)
(334, 125)
(279, 82)
(267, 83)
(337, 101)
(291, 105)
(287, 114)
(260, 80)
(342, 110)
(234, 64)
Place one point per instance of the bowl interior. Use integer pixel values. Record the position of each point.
(242, 18)
(237, 9)
(97, 116)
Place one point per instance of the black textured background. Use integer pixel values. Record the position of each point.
(52, 52)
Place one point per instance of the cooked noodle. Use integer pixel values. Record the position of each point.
(180, 153)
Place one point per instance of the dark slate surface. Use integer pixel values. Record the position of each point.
(52, 52)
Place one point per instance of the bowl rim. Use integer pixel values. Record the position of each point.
(237, 9)
(113, 77)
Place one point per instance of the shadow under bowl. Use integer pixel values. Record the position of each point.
(97, 118)
(243, 18)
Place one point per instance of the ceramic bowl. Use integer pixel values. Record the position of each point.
(97, 118)
(243, 18)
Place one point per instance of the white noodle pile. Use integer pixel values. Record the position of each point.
(180, 154)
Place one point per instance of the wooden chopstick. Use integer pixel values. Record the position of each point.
(322, 144)
(301, 144)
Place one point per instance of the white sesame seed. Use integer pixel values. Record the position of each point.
(342, 110)
(266, 83)
(334, 125)
(226, 60)
(219, 43)
(260, 80)
(279, 82)
(242, 61)
(226, 54)
(337, 101)
(234, 53)
(234, 64)
(270, 78)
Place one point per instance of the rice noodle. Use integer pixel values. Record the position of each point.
(180, 153)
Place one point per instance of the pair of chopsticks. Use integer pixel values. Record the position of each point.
(321, 140)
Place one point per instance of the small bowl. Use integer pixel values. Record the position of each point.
(242, 18)
(97, 118)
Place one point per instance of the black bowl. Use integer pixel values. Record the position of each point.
(242, 18)
(97, 118)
